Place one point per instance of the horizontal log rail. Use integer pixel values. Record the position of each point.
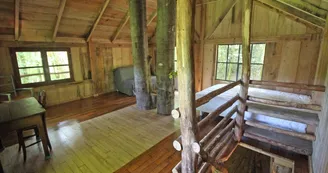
(200, 101)
(269, 154)
(289, 85)
(260, 125)
(313, 107)
(210, 159)
(177, 143)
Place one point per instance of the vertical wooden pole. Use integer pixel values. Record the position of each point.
(322, 64)
(139, 39)
(165, 43)
(201, 47)
(186, 75)
(246, 34)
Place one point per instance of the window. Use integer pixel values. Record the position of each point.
(35, 67)
(229, 62)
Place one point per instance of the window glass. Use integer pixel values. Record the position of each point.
(221, 71)
(258, 53)
(222, 53)
(231, 72)
(31, 67)
(57, 58)
(29, 59)
(233, 53)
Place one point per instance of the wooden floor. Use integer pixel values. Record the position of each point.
(102, 144)
(81, 110)
(124, 141)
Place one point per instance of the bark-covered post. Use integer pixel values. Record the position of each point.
(165, 43)
(246, 34)
(139, 39)
(186, 75)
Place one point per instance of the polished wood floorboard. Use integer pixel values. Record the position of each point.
(102, 144)
(80, 110)
(88, 108)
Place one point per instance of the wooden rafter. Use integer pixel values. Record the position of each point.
(98, 19)
(59, 16)
(287, 15)
(121, 26)
(306, 6)
(17, 2)
(152, 17)
(220, 18)
(299, 14)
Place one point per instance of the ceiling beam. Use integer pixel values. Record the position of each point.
(59, 16)
(289, 16)
(17, 4)
(299, 14)
(308, 7)
(98, 19)
(121, 26)
(221, 17)
(152, 17)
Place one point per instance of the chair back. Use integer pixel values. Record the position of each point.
(7, 85)
(42, 98)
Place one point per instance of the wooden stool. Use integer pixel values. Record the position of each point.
(22, 139)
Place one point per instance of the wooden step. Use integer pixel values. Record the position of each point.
(297, 115)
(287, 142)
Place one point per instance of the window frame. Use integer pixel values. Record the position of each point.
(238, 63)
(45, 66)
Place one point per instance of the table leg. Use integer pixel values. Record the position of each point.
(46, 130)
(44, 139)
(1, 169)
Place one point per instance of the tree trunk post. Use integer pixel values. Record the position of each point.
(139, 39)
(246, 33)
(186, 74)
(165, 43)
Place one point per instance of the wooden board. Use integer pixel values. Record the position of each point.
(284, 113)
(287, 142)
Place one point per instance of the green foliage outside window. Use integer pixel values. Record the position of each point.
(34, 68)
(229, 62)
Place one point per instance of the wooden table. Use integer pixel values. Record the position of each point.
(21, 114)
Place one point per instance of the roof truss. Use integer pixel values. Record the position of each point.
(59, 16)
(297, 13)
(17, 3)
(98, 19)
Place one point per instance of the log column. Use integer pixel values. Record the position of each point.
(165, 43)
(246, 34)
(139, 39)
(186, 74)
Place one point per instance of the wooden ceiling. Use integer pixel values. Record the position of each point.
(38, 18)
(104, 20)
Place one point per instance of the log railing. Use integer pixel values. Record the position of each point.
(214, 143)
(313, 107)
(200, 101)
(299, 86)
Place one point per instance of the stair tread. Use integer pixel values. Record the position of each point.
(287, 142)
(305, 117)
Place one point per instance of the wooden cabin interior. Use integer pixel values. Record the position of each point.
(138, 86)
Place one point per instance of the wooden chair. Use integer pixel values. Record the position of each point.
(20, 132)
(8, 90)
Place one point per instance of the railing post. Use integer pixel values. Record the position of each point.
(246, 33)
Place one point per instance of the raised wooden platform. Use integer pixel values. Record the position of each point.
(287, 142)
(285, 113)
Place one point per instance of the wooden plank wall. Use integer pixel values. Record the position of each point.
(291, 48)
(100, 62)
